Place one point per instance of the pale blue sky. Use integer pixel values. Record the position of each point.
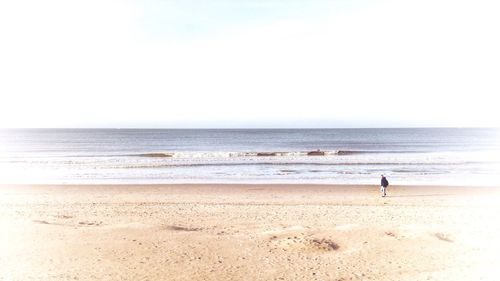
(184, 19)
(249, 63)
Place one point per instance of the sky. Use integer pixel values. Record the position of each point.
(249, 63)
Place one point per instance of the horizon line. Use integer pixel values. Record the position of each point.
(243, 128)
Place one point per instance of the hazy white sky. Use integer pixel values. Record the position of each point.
(249, 63)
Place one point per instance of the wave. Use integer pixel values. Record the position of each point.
(201, 154)
(155, 154)
(222, 154)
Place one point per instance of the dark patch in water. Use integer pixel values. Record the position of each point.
(316, 153)
(267, 154)
(159, 154)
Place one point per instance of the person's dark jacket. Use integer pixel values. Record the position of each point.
(384, 182)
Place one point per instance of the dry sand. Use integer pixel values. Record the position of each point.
(249, 232)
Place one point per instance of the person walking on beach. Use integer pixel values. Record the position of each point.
(384, 183)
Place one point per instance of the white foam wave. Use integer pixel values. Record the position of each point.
(229, 154)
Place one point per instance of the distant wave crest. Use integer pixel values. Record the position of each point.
(222, 154)
(156, 154)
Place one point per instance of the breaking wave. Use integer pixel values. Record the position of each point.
(221, 154)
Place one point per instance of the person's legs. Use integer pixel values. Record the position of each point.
(382, 189)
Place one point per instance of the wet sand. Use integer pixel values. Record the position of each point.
(248, 232)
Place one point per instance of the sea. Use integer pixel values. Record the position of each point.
(407, 156)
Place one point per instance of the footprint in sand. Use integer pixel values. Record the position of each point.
(443, 236)
(90, 223)
(64, 217)
(298, 238)
(302, 243)
(390, 233)
(182, 228)
(324, 244)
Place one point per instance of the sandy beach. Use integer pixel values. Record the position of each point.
(248, 232)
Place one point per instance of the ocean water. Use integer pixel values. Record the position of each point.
(454, 156)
